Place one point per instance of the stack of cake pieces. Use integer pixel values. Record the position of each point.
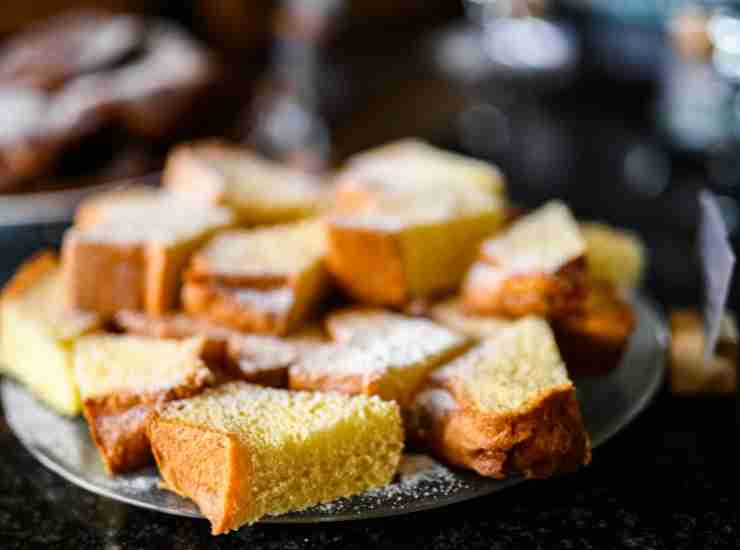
(194, 333)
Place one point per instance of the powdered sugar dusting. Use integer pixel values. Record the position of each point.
(419, 477)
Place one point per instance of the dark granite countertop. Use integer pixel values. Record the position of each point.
(668, 481)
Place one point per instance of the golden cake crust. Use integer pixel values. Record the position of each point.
(543, 438)
(117, 422)
(592, 341)
(213, 484)
(489, 290)
(30, 271)
(267, 312)
(86, 263)
(356, 252)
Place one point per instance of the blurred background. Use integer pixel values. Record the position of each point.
(624, 109)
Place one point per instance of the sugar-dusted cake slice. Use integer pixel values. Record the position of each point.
(411, 166)
(378, 353)
(265, 280)
(242, 451)
(258, 190)
(38, 333)
(121, 379)
(505, 406)
(116, 203)
(452, 314)
(593, 340)
(255, 358)
(410, 246)
(535, 267)
(614, 256)
(133, 258)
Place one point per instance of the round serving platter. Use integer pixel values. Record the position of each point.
(608, 404)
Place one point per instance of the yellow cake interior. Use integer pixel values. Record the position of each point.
(303, 448)
(115, 364)
(37, 335)
(509, 370)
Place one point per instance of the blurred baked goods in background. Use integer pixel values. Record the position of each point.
(689, 372)
(90, 76)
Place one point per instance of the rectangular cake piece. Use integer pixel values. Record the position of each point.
(505, 406)
(378, 353)
(38, 333)
(614, 256)
(258, 190)
(242, 451)
(133, 258)
(121, 379)
(266, 280)
(535, 267)
(255, 358)
(592, 341)
(411, 246)
(411, 166)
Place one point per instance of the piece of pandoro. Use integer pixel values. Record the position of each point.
(258, 190)
(121, 378)
(377, 353)
(593, 340)
(267, 280)
(536, 266)
(242, 451)
(412, 246)
(133, 258)
(255, 358)
(614, 256)
(689, 372)
(116, 203)
(411, 166)
(38, 333)
(506, 406)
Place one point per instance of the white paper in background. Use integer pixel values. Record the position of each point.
(717, 263)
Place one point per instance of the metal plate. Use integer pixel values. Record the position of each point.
(608, 404)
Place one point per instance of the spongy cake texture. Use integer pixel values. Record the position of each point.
(242, 451)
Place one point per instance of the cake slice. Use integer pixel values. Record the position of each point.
(254, 358)
(242, 452)
(411, 166)
(614, 256)
(535, 267)
(411, 246)
(133, 258)
(38, 333)
(378, 353)
(259, 191)
(506, 406)
(267, 280)
(126, 201)
(451, 313)
(121, 379)
(592, 341)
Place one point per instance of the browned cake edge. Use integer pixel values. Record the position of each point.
(542, 438)
(210, 467)
(542, 294)
(117, 422)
